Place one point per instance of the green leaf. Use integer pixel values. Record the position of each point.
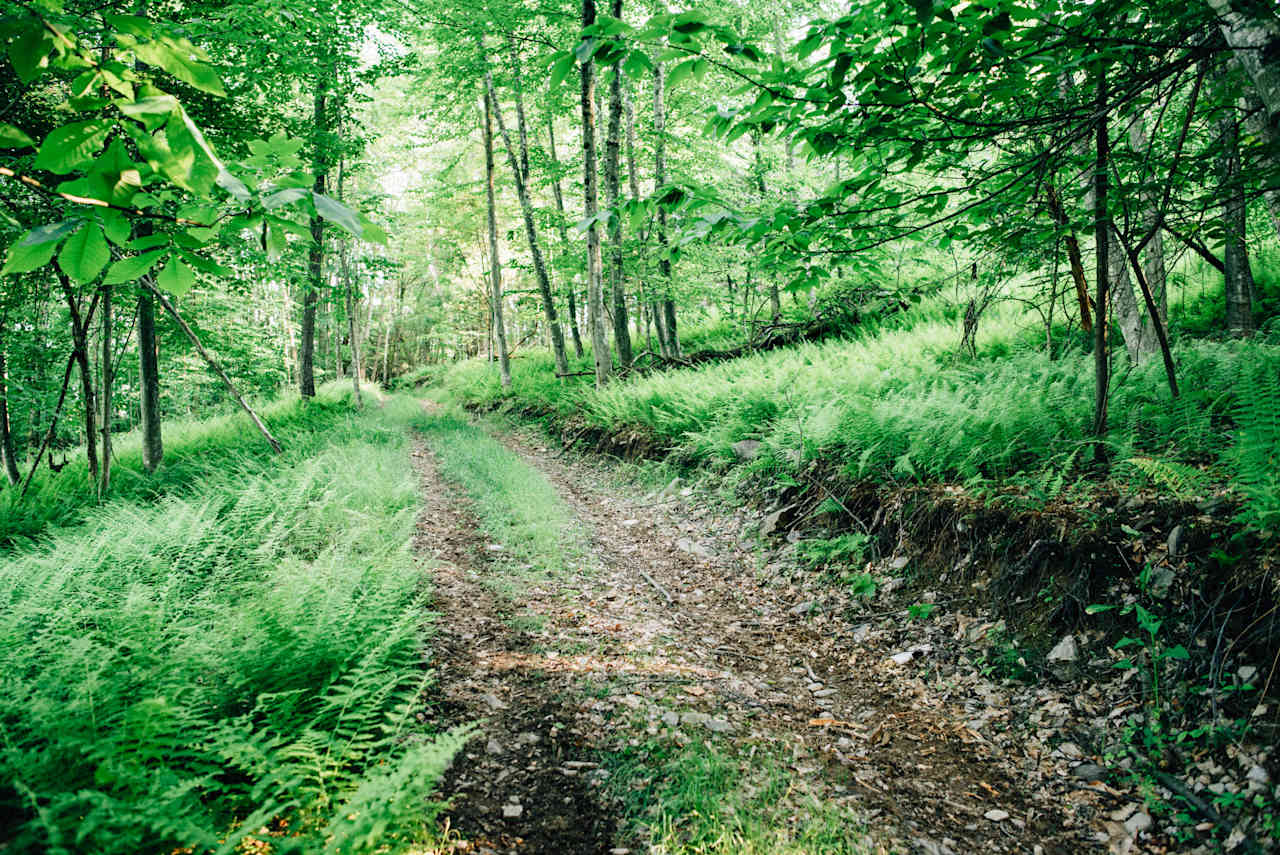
(1097, 609)
(51, 232)
(26, 258)
(132, 268)
(372, 232)
(175, 277)
(72, 145)
(1176, 652)
(181, 59)
(152, 105)
(84, 254)
(116, 228)
(560, 70)
(29, 52)
(337, 212)
(287, 196)
(11, 137)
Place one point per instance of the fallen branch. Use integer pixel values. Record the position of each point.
(213, 363)
(661, 590)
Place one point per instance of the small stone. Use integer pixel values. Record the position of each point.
(747, 449)
(629, 523)
(997, 815)
(671, 718)
(825, 693)
(902, 658)
(1089, 772)
(494, 547)
(512, 811)
(718, 725)
(492, 702)
(493, 747)
(1177, 541)
(899, 562)
(694, 718)
(1064, 651)
(1140, 821)
(1246, 673)
(769, 524)
(801, 608)
(1258, 775)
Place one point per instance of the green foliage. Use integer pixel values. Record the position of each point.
(183, 672)
(845, 549)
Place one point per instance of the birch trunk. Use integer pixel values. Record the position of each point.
(595, 288)
(495, 266)
(612, 184)
(564, 234)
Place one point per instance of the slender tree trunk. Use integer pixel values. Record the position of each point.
(495, 267)
(595, 288)
(1238, 276)
(612, 187)
(107, 378)
(7, 456)
(775, 299)
(80, 339)
(564, 234)
(531, 233)
(149, 375)
(315, 255)
(667, 310)
(1102, 233)
(213, 364)
(1074, 257)
(1255, 114)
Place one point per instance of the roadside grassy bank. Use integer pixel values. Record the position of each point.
(186, 672)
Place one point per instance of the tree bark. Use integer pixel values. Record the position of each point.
(1074, 256)
(495, 266)
(531, 232)
(80, 343)
(1255, 41)
(564, 234)
(775, 299)
(1237, 275)
(1102, 233)
(7, 456)
(612, 184)
(212, 363)
(667, 309)
(315, 255)
(595, 288)
(149, 375)
(107, 379)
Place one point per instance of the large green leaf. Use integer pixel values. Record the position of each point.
(11, 137)
(175, 277)
(72, 145)
(183, 60)
(133, 268)
(37, 246)
(29, 52)
(337, 212)
(84, 254)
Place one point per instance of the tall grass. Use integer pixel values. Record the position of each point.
(194, 450)
(245, 652)
(898, 401)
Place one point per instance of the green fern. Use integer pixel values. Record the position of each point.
(1185, 483)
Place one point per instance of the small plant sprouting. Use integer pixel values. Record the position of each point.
(921, 611)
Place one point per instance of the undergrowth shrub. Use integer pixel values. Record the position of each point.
(183, 672)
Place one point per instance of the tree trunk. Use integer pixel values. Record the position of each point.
(667, 309)
(1255, 41)
(495, 267)
(315, 255)
(1238, 276)
(775, 299)
(107, 378)
(612, 186)
(595, 288)
(564, 233)
(80, 340)
(1102, 234)
(7, 456)
(531, 232)
(149, 374)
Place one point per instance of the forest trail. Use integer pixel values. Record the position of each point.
(675, 636)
